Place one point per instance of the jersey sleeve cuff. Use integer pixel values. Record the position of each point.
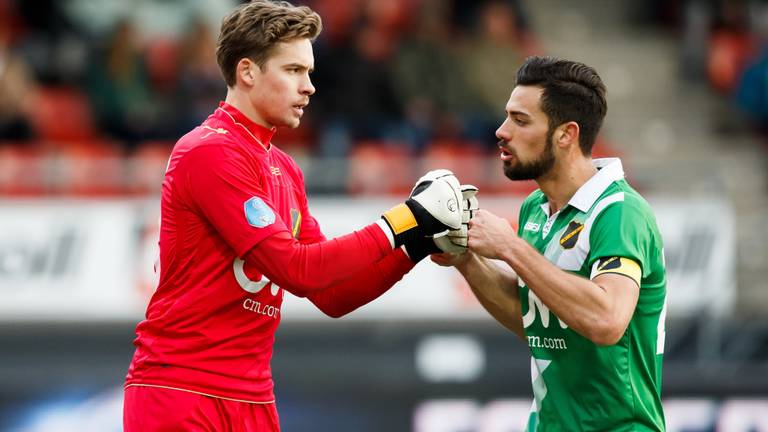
(387, 232)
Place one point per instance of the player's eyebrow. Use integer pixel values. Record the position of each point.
(300, 66)
(518, 113)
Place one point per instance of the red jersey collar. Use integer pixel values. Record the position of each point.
(259, 133)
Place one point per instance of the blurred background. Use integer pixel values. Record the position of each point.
(94, 94)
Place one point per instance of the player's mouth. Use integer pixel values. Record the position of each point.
(299, 108)
(506, 155)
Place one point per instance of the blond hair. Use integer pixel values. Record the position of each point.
(254, 29)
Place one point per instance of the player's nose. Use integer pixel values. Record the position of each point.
(504, 132)
(307, 88)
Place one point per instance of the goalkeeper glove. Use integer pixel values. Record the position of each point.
(455, 240)
(432, 208)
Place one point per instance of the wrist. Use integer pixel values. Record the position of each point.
(462, 261)
(401, 223)
(387, 230)
(510, 250)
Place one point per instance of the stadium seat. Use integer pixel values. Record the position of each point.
(23, 169)
(380, 167)
(465, 158)
(62, 115)
(146, 167)
(89, 168)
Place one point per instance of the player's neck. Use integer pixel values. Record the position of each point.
(564, 179)
(241, 102)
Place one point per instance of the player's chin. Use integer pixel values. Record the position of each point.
(291, 122)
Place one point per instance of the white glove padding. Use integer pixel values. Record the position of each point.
(433, 207)
(455, 240)
(439, 192)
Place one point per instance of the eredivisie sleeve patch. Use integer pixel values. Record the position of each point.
(257, 213)
(618, 265)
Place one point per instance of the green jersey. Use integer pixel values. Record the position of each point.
(578, 385)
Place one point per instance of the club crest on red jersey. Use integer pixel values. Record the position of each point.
(257, 213)
(295, 222)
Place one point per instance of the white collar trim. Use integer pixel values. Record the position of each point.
(609, 171)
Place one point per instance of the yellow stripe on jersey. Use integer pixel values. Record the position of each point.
(618, 265)
(400, 218)
(568, 236)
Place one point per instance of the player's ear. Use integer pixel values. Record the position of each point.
(567, 134)
(246, 71)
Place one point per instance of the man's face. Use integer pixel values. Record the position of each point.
(282, 90)
(525, 140)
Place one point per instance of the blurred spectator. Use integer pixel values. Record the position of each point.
(10, 21)
(490, 60)
(152, 18)
(731, 45)
(694, 47)
(752, 91)
(466, 13)
(355, 99)
(119, 89)
(339, 20)
(410, 73)
(200, 83)
(17, 86)
(390, 16)
(430, 90)
(53, 45)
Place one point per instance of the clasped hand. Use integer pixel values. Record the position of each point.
(490, 235)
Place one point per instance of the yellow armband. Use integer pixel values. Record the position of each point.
(620, 265)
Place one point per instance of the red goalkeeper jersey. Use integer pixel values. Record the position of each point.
(235, 232)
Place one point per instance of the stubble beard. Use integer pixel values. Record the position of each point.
(534, 169)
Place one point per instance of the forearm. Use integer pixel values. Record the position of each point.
(580, 303)
(365, 286)
(496, 290)
(304, 268)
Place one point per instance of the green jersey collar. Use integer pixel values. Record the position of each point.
(609, 170)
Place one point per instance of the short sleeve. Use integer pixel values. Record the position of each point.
(225, 188)
(621, 230)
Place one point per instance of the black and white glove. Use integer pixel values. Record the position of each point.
(433, 208)
(455, 240)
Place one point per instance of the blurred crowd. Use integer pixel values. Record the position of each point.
(395, 78)
(409, 74)
(725, 42)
